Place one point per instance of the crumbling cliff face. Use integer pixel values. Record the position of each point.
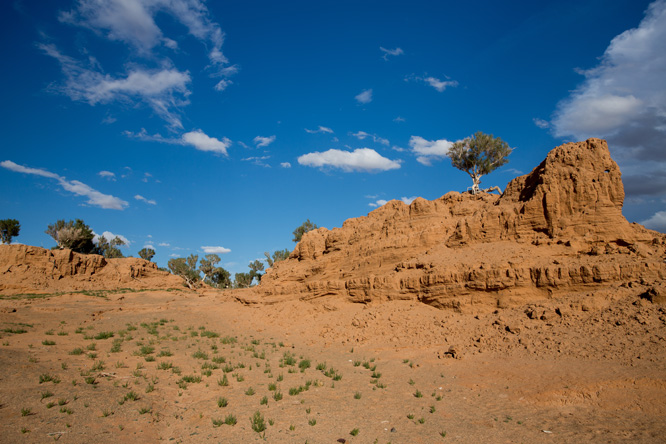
(557, 230)
(26, 269)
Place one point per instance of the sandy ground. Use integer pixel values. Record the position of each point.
(155, 366)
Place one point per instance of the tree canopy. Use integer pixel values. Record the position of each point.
(186, 268)
(278, 255)
(302, 229)
(109, 248)
(75, 235)
(146, 253)
(479, 155)
(9, 228)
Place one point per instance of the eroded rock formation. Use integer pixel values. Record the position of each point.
(26, 269)
(557, 230)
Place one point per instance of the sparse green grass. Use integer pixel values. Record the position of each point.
(144, 410)
(354, 432)
(222, 402)
(103, 335)
(357, 395)
(47, 342)
(47, 394)
(418, 394)
(257, 421)
(230, 420)
(277, 395)
(200, 355)
(25, 411)
(312, 422)
(250, 391)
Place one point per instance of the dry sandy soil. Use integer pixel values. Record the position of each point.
(149, 366)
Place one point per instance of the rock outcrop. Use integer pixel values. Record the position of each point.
(557, 230)
(27, 269)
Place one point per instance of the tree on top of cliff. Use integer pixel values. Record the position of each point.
(76, 236)
(304, 228)
(9, 228)
(479, 155)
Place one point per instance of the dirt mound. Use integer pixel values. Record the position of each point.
(558, 230)
(26, 269)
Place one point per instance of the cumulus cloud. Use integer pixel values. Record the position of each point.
(362, 159)
(110, 236)
(263, 141)
(133, 22)
(440, 85)
(215, 250)
(361, 135)
(428, 151)
(95, 197)
(656, 222)
(381, 202)
(143, 199)
(390, 52)
(285, 165)
(623, 99)
(364, 97)
(321, 129)
(163, 90)
(196, 138)
(199, 140)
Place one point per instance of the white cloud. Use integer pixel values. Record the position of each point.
(361, 135)
(656, 222)
(388, 52)
(321, 129)
(143, 199)
(429, 150)
(133, 22)
(364, 97)
(263, 141)
(541, 123)
(95, 198)
(199, 140)
(381, 202)
(164, 91)
(285, 165)
(258, 160)
(149, 246)
(107, 174)
(215, 250)
(164, 244)
(223, 84)
(110, 236)
(623, 99)
(362, 159)
(440, 85)
(399, 119)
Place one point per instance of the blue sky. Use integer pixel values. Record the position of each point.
(197, 127)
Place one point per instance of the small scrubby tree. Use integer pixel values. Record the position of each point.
(478, 156)
(109, 248)
(256, 268)
(304, 228)
(207, 265)
(220, 278)
(186, 268)
(9, 228)
(146, 253)
(277, 256)
(242, 280)
(75, 235)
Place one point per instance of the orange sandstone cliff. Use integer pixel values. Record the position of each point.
(556, 231)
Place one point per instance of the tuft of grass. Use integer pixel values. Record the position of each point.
(357, 395)
(200, 355)
(410, 416)
(354, 432)
(442, 434)
(277, 395)
(131, 396)
(25, 411)
(144, 410)
(257, 421)
(312, 422)
(421, 420)
(77, 351)
(264, 401)
(222, 402)
(418, 394)
(47, 394)
(104, 335)
(47, 342)
(304, 364)
(230, 420)
(250, 391)
(432, 409)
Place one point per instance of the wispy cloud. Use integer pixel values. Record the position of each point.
(362, 135)
(258, 160)
(399, 119)
(285, 165)
(543, 124)
(362, 159)
(197, 139)
(263, 141)
(107, 175)
(390, 52)
(439, 85)
(95, 197)
(381, 202)
(143, 199)
(164, 244)
(364, 97)
(164, 90)
(321, 129)
(133, 22)
(429, 150)
(215, 250)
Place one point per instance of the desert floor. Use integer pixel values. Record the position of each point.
(179, 366)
